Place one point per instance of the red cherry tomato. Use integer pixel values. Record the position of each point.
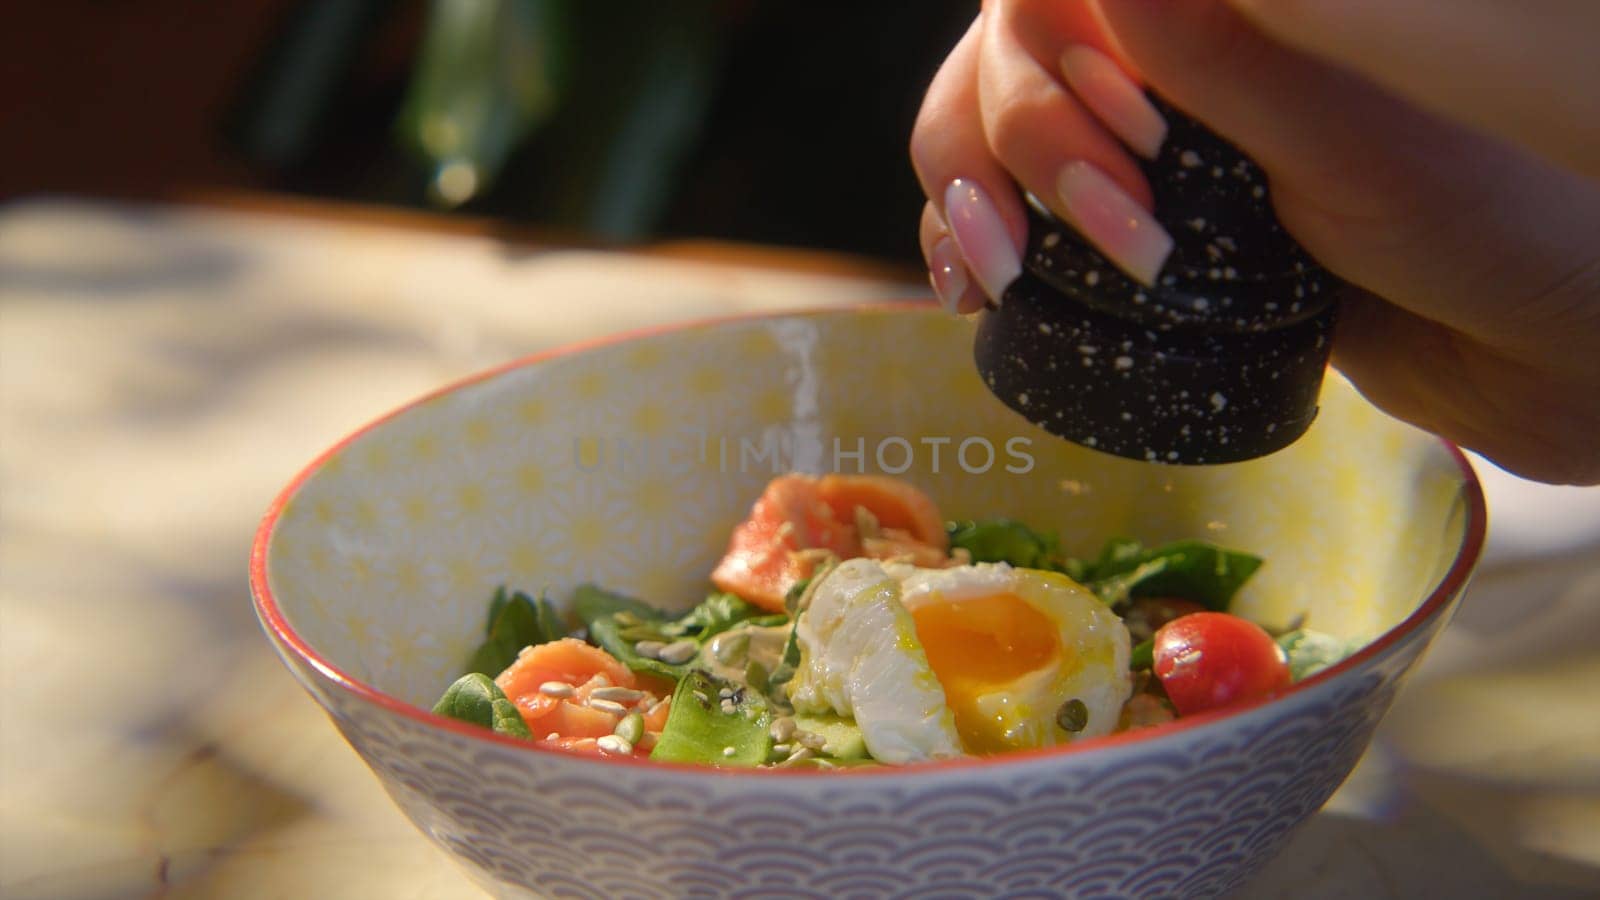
(1208, 660)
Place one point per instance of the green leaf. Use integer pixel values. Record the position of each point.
(593, 603)
(716, 614)
(1310, 652)
(788, 665)
(1194, 570)
(698, 731)
(617, 623)
(1142, 656)
(1007, 541)
(476, 699)
(515, 621)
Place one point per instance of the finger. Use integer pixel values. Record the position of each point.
(1524, 71)
(1058, 150)
(973, 194)
(947, 272)
(1427, 213)
(1511, 412)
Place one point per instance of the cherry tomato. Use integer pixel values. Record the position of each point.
(1208, 660)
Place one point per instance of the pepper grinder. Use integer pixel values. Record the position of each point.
(1220, 360)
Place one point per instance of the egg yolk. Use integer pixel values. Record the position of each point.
(978, 646)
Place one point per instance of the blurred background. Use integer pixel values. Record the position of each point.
(616, 121)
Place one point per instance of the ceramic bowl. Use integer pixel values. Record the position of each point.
(626, 462)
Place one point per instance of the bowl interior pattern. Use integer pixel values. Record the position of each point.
(627, 465)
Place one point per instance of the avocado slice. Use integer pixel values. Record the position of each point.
(841, 736)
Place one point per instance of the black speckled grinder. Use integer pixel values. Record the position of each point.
(1221, 360)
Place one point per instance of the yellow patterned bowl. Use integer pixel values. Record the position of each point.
(626, 463)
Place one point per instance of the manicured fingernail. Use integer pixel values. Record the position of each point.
(981, 234)
(1115, 99)
(1113, 221)
(947, 273)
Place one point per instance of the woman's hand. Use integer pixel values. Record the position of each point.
(1419, 150)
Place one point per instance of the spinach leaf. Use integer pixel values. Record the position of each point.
(1008, 541)
(618, 623)
(592, 603)
(716, 614)
(515, 621)
(698, 731)
(1142, 655)
(1310, 652)
(475, 698)
(1194, 570)
(778, 679)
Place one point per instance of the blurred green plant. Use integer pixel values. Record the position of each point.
(601, 101)
(490, 71)
(616, 92)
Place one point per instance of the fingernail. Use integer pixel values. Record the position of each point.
(1113, 221)
(947, 273)
(1119, 103)
(981, 234)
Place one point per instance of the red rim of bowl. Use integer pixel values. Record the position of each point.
(277, 625)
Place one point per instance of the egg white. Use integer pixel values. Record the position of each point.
(859, 657)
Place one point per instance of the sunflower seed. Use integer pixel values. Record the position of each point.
(677, 652)
(555, 689)
(729, 752)
(810, 739)
(649, 649)
(631, 728)
(619, 694)
(608, 706)
(613, 744)
(782, 729)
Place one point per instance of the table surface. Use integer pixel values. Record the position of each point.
(164, 370)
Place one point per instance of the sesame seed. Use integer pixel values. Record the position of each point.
(729, 752)
(556, 689)
(608, 706)
(1091, 278)
(1123, 362)
(1051, 239)
(1044, 328)
(1218, 402)
(613, 744)
(1216, 171)
(1189, 159)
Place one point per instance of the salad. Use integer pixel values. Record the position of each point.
(851, 625)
